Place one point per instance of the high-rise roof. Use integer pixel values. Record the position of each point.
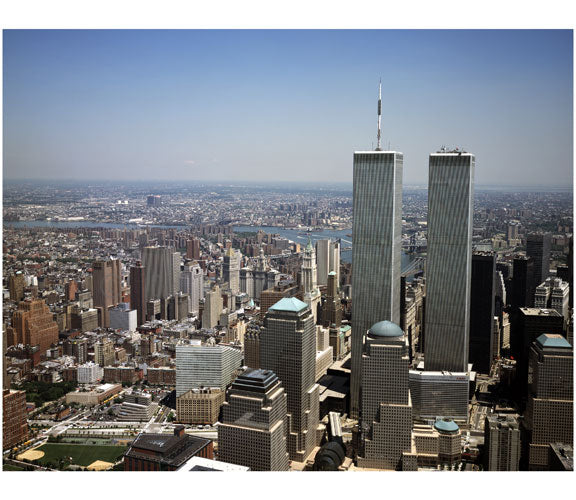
(289, 304)
(553, 340)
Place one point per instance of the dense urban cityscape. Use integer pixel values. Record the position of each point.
(275, 326)
(117, 302)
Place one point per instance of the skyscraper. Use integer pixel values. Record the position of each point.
(549, 416)
(162, 277)
(33, 324)
(232, 269)
(138, 291)
(253, 427)
(205, 366)
(288, 348)
(386, 418)
(212, 308)
(523, 283)
(376, 240)
(106, 278)
(192, 283)
(502, 442)
(193, 249)
(332, 307)
(310, 292)
(450, 214)
(328, 259)
(538, 247)
(482, 300)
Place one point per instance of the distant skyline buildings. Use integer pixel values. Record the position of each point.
(94, 84)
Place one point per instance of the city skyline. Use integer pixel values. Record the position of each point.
(262, 105)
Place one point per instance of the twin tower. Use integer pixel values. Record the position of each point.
(376, 258)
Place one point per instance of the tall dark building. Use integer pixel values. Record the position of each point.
(538, 247)
(523, 283)
(482, 311)
(532, 323)
(332, 308)
(138, 291)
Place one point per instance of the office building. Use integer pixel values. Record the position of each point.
(439, 394)
(153, 200)
(324, 355)
(549, 416)
(78, 348)
(33, 324)
(310, 292)
(434, 444)
(482, 301)
(192, 284)
(95, 396)
(104, 352)
(193, 249)
(502, 443)
(448, 278)
(14, 418)
(165, 452)
(213, 307)
(332, 306)
(83, 320)
(122, 318)
(106, 279)
(328, 260)
(162, 276)
(231, 268)
(16, 285)
(136, 407)
(205, 366)
(288, 348)
(252, 346)
(138, 292)
(523, 283)
(538, 248)
(530, 325)
(90, 373)
(254, 423)
(554, 294)
(386, 415)
(200, 406)
(376, 260)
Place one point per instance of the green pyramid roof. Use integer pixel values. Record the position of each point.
(290, 304)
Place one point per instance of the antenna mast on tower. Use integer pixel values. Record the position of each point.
(379, 113)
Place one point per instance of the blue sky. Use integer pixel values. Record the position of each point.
(284, 105)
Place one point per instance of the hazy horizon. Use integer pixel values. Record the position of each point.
(224, 106)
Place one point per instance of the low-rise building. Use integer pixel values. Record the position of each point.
(165, 452)
(200, 406)
(94, 396)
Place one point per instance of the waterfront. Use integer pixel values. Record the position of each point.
(296, 235)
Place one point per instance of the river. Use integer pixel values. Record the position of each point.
(296, 235)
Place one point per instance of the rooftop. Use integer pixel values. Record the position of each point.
(385, 329)
(446, 425)
(553, 340)
(289, 304)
